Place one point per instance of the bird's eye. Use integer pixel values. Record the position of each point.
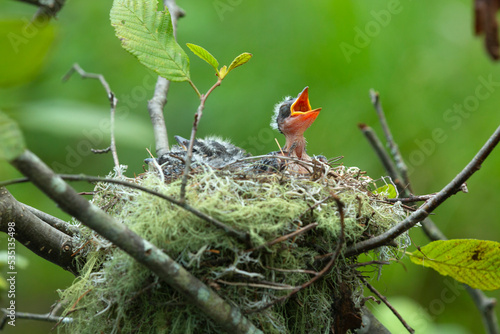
(285, 110)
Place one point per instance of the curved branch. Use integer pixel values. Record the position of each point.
(419, 215)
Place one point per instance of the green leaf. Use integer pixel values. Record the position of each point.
(223, 72)
(148, 34)
(11, 139)
(388, 191)
(205, 55)
(240, 60)
(473, 262)
(24, 47)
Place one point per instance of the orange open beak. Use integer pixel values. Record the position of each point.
(301, 112)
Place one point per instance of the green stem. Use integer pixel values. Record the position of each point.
(195, 88)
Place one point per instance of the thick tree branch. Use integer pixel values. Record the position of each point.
(222, 313)
(371, 325)
(55, 222)
(36, 235)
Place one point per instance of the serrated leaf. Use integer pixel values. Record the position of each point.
(148, 34)
(24, 48)
(11, 139)
(205, 55)
(239, 60)
(473, 262)
(387, 190)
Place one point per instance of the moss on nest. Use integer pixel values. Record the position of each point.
(115, 294)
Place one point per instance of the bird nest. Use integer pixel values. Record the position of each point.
(293, 224)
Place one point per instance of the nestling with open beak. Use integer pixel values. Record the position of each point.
(292, 117)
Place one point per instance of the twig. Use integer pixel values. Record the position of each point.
(430, 229)
(312, 207)
(401, 166)
(228, 317)
(386, 302)
(46, 8)
(384, 157)
(197, 117)
(284, 237)
(112, 100)
(32, 316)
(100, 151)
(302, 271)
(369, 263)
(273, 286)
(410, 199)
(430, 205)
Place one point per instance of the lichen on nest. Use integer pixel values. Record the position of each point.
(115, 294)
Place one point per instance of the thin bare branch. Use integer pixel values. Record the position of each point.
(32, 316)
(285, 237)
(112, 100)
(393, 147)
(386, 302)
(411, 199)
(197, 118)
(384, 157)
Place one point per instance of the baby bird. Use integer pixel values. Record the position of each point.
(210, 151)
(292, 117)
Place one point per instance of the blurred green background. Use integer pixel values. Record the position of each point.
(421, 57)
